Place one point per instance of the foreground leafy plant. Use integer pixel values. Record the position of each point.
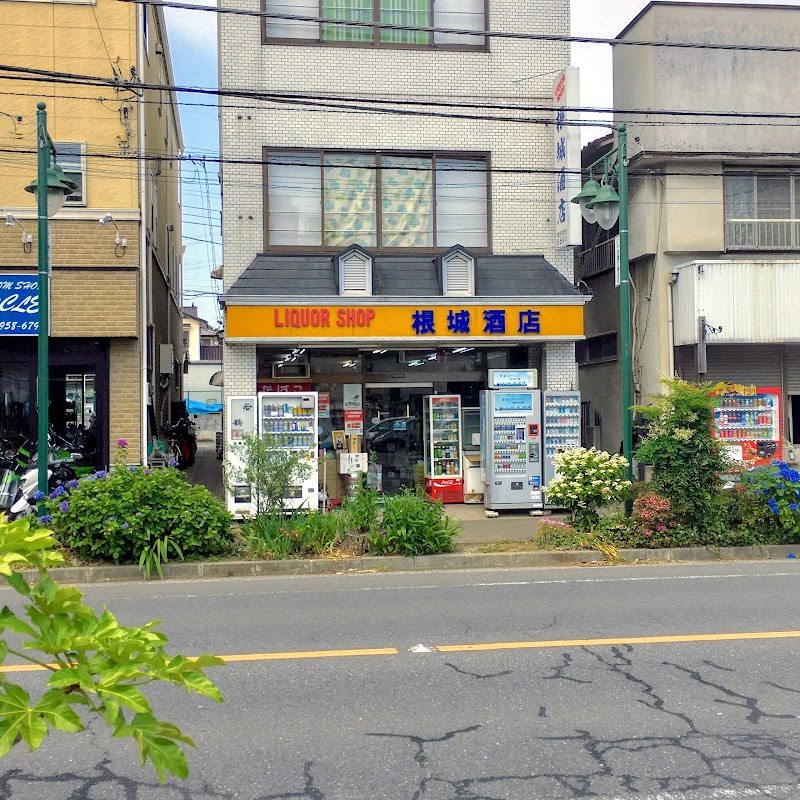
(97, 666)
(413, 525)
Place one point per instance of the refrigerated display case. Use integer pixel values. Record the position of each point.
(291, 420)
(748, 421)
(562, 428)
(240, 422)
(441, 419)
(511, 449)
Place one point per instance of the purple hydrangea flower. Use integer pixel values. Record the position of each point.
(73, 484)
(172, 462)
(124, 526)
(122, 442)
(64, 506)
(45, 518)
(148, 472)
(57, 492)
(100, 474)
(39, 496)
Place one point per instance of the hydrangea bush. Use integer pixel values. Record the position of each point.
(779, 485)
(585, 481)
(121, 514)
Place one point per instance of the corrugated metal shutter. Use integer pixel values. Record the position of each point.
(791, 369)
(755, 364)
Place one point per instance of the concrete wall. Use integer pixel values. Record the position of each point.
(665, 78)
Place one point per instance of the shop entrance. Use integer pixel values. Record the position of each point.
(393, 434)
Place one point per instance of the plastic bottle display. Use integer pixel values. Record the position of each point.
(445, 444)
(750, 418)
(562, 424)
(509, 446)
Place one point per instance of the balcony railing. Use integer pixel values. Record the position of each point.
(595, 260)
(211, 352)
(762, 234)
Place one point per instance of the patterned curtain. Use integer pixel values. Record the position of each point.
(349, 200)
(407, 201)
(352, 11)
(406, 12)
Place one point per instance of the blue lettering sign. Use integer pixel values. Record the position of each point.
(495, 319)
(458, 321)
(528, 322)
(562, 210)
(561, 149)
(19, 305)
(422, 322)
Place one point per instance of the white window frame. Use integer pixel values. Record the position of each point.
(70, 201)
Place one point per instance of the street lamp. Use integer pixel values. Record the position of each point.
(602, 204)
(48, 204)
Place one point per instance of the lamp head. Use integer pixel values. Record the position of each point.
(605, 206)
(10, 220)
(584, 196)
(105, 219)
(58, 187)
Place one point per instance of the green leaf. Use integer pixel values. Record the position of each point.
(8, 736)
(207, 660)
(56, 711)
(15, 707)
(165, 756)
(18, 583)
(125, 694)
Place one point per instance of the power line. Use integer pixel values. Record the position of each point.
(538, 37)
(375, 104)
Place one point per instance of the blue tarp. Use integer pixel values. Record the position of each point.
(195, 407)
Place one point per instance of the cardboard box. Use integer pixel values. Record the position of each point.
(354, 443)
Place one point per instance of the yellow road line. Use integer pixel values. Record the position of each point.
(692, 637)
(462, 648)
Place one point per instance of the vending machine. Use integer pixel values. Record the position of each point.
(444, 474)
(289, 419)
(241, 422)
(748, 421)
(562, 428)
(511, 433)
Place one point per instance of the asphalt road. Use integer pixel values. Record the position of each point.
(544, 710)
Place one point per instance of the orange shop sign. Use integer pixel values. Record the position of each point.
(419, 321)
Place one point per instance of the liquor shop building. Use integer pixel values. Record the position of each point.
(375, 334)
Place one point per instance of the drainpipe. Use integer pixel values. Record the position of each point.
(141, 60)
(670, 328)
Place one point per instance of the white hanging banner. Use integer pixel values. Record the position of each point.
(567, 151)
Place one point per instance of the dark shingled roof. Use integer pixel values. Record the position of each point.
(399, 276)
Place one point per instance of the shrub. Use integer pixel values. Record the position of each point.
(585, 481)
(555, 535)
(413, 525)
(277, 535)
(687, 460)
(361, 511)
(270, 467)
(777, 486)
(132, 511)
(653, 522)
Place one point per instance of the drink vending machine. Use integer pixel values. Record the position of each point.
(444, 472)
(511, 439)
(748, 420)
(290, 420)
(562, 428)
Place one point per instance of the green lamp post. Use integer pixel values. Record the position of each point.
(602, 204)
(48, 204)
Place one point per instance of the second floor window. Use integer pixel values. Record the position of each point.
(466, 15)
(380, 201)
(70, 159)
(762, 211)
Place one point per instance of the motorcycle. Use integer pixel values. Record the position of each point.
(182, 441)
(59, 473)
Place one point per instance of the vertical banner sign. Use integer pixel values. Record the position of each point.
(567, 151)
(616, 261)
(19, 305)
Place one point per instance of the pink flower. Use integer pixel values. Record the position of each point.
(122, 442)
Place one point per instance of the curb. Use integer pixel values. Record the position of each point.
(196, 570)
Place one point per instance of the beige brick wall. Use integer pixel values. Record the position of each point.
(89, 303)
(124, 397)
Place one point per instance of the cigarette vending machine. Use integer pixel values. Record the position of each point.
(562, 428)
(511, 421)
(290, 420)
(747, 420)
(240, 422)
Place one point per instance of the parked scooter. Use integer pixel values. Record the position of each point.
(182, 441)
(59, 473)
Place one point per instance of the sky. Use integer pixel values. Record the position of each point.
(193, 46)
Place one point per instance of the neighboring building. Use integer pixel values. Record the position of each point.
(115, 294)
(395, 254)
(714, 210)
(202, 364)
